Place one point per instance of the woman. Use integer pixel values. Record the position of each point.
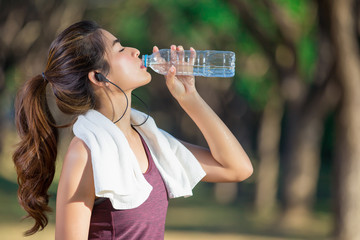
(120, 169)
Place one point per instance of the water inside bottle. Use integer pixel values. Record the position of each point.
(206, 63)
(197, 70)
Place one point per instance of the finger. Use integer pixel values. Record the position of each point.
(155, 49)
(181, 59)
(173, 54)
(192, 56)
(180, 50)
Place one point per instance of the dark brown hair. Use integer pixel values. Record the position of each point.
(73, 54)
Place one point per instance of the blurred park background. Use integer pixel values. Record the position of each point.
(293, 104)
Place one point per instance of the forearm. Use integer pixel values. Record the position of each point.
(224, 146)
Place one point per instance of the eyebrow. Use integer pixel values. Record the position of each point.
(116, 41)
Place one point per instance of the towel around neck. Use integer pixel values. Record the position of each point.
(117, 174)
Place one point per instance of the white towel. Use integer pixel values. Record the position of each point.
(117, 174)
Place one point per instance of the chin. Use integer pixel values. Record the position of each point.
(148, 80)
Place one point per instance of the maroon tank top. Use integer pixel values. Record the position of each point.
(144, 222)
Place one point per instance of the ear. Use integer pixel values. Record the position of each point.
(93, 80)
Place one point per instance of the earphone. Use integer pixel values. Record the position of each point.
(101, 78)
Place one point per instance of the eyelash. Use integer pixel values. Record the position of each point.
(122, 50)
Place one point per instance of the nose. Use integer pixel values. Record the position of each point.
(136, 52)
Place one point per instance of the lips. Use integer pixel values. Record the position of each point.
(142, 65)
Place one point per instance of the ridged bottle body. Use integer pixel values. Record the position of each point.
(207, 63)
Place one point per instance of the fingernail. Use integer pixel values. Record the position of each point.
(172, 69)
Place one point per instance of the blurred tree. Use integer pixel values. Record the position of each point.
(344, 19)
(300, 93)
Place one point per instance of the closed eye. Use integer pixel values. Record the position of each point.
(122, 49)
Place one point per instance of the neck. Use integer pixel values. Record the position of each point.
(113, 107)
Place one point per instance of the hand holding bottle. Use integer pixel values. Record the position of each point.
(161, 60)
(179, 85)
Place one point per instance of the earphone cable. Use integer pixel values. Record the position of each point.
(147, 109)
(127, 105)
(127, 101)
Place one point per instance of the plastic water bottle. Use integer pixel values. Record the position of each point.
(207, 63)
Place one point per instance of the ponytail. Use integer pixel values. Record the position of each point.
(35, 155)
(75, 52)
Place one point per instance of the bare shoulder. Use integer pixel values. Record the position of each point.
(77, 152)
(77, 158)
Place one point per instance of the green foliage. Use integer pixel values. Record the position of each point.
(264, 18)
(135, 30)
(298, 9)
(307, 54)
(209, 24)
(255, 90)
(303, 15)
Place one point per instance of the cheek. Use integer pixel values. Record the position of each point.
(121, 68)
(124, 72)
(121, 65)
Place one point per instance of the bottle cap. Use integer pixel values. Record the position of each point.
(144, 60)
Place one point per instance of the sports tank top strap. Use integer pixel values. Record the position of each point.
(148, 154)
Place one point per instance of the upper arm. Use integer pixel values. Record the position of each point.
(75, 194)
(215, 172)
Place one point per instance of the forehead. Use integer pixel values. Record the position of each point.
(109, 39)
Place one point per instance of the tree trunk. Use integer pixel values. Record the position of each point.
(304, 131)
(302, 169)
(304, 159)
(348, 121)
(269, 157)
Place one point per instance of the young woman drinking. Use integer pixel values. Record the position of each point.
(120, 169)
